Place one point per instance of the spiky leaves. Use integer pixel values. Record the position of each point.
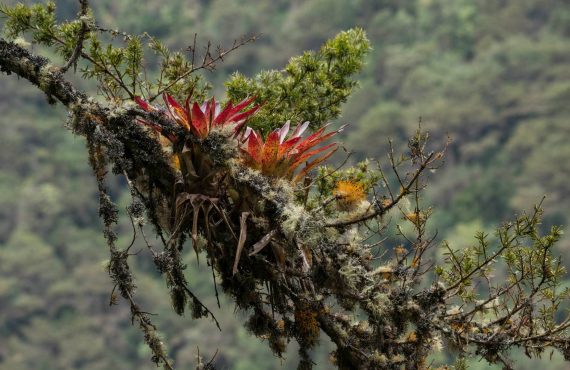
(200, 118)
(279, 156)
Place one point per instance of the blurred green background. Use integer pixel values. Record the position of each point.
(493, 75)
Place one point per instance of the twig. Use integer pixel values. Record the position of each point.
(207, 63)
(80, 38)
(395, 201)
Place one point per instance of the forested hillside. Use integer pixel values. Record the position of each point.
(494, 76)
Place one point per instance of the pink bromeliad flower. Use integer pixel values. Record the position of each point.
(200, 119)
(280, 156)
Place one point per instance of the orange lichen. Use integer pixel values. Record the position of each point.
(307, 325)
(280, 325)
(411, 337)
(387, 272)
(349, 192)
(418, 218)
(412, 217)
(400, 250)
(175, 162)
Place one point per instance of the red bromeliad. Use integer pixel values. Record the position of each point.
(199, 119)
(280, 157)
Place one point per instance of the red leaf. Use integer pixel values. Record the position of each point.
(143, 104)
(300, 158)
(270, 150)
(254, 147)
(176, 111)
(288, 146)
(221, 118)
(245, 114)
(210, 110)
(244, 103)
(312, 165)
(240, 119)
(315, 139)
(199, 121)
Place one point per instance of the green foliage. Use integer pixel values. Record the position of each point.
(311, 88)
(38, 19)
(120, 71)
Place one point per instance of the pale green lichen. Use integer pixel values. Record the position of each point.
(120, 110)
(293, 214)
(379, 359)
(352, 273)
(379, 305)
(45, 77)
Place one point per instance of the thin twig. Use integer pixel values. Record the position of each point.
(80, 38)
(208, 62)
(383, 210)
